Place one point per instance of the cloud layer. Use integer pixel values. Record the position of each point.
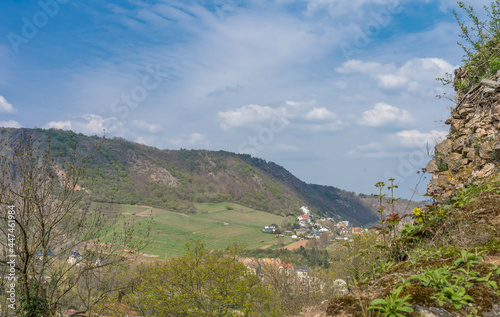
(384, 114)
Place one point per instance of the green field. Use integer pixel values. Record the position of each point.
(170, 230)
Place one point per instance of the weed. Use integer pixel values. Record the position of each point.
(469, 258)
(392, 305)
(457, 297)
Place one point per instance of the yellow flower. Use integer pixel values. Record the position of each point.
(440, 211)
(418, 213)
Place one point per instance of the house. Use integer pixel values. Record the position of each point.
(271, 228)
(285, 266)
(74, 257)
(39, 254)
(295, 237)
(304, 218)
(287, 233)
(305, 210)
(302, 271)
(344, 222)
(342, 228)
(357, 230)
(101, 261)
(252, 267)
(302, 230)
(315, 235)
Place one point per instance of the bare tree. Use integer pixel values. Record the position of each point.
(45, 219)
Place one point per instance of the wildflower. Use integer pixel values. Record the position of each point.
(440, 211)
(417, 211)
(418, 214)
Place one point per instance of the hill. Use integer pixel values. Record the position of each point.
(125, 172)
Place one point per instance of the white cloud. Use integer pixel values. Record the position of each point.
(87, 124)
(357, 66)
(246, 115)
(385, 114)
(392, 81)
(415, 138)
(320, 114)
(302, 115)
(192, 140)
(5, 106)
(413, 75)
(10, 124)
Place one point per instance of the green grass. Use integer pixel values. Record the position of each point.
(170, 230)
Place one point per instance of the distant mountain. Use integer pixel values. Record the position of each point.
(128, 172)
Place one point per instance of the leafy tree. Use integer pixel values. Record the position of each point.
(202, 283)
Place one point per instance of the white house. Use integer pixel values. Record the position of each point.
(306, 210)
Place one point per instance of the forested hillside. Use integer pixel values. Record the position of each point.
(132, 173)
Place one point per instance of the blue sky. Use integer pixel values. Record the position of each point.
(339, 92)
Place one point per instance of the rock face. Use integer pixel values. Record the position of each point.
(471, 152)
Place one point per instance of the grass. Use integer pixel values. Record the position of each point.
(170, 231)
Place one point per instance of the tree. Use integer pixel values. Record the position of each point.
(46, 218)
(312, 243)
(201, 283)
(325, 238)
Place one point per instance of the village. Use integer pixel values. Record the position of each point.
(307, 226)
(309, 230)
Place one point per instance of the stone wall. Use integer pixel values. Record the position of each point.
(471, 152)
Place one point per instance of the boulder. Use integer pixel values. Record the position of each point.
(486, 171)
(458, 144)
(432, 311)
(488, 90)
(489, 83)
(495, 311)
(432, 167)
(465, 110)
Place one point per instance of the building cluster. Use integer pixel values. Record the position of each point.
(259, 266)
(74, 258)
(307, 226)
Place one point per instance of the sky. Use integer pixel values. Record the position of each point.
(340, 93)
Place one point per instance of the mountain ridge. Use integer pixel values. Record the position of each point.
(127, 172)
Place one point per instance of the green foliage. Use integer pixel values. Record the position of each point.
(393, 305)
(439, 158)
(314, 257)
(455, 296)
(426, 223)
(494, 65)
(469, 258)
(34, 305)
(496, 269)
(437, 277)
(481, 43)
(203, 282)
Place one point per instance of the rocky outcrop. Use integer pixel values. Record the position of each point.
(471, 152)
